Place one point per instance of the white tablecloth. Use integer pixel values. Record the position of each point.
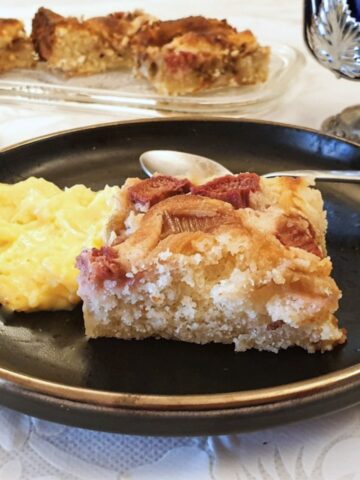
(325, 448)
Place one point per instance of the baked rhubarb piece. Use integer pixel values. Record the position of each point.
(195, 53)
(16, 50)
(80, 47)
(240, 259)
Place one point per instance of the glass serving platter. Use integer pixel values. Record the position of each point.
(120, 89)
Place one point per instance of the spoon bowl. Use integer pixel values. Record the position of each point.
(181, 164)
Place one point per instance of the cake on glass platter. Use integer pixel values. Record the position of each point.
(131, 59)
(16, 49)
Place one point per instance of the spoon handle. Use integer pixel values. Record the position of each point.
(352, 176)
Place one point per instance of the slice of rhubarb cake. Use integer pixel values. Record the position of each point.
(193, 54)
(75, 46)
(240, 259)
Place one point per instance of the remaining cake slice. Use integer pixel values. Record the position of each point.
(196, 53)
(77, 47)
(238, 260)
(16, 50)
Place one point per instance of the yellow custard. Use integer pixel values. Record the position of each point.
(42, 230)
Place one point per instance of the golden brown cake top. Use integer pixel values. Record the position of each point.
(217, 33)
(193, 213)
(272, 211)
(116, 28)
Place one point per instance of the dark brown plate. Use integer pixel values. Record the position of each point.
(49, 369)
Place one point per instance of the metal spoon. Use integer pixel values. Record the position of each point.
(195, 167)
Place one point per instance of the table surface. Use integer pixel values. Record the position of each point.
(324, 448)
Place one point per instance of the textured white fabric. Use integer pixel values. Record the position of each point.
(321, 449)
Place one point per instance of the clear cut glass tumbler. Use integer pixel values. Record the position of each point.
(332, 34)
